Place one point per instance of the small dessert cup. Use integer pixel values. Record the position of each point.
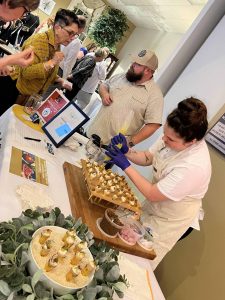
(110, 224)
(131, 232)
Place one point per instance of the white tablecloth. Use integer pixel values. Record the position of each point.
(12, 133)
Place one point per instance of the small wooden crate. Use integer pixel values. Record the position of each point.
(100, 189)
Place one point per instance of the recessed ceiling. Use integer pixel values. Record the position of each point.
(164, 15)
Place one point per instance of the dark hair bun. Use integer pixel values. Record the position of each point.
(189, 119)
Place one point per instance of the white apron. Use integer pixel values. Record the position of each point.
(168, 219)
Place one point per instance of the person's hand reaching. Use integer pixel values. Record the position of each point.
(106, 99)
(58, 57)
(117, 157)
(6, 70)
(121, 142)
(22, 59)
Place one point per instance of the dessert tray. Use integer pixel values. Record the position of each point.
(108, 189)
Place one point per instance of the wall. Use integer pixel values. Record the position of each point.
(195, 268)
(59, 4)
(97, 14)
(162, 43)
(208, 18)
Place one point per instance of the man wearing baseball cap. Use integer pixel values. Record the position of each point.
(132, 102)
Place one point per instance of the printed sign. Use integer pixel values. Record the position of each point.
(216, 135)
(29, 166)
(52, 105)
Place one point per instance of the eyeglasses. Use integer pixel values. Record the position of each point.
(71, 33)
(26, 11)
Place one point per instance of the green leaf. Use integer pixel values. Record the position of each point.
(99, 274)
(113, 274)
(24, 259)
(28, 227)
(36, 278)
(9, 257)
(119, 294)
(11, 296)
(120, 286)
(90, 293)
(9, 246)
(66, 297)
(4, 288)
(7, 271)
(17, 279)
(41, 291)
(30, 297)
(60, 220)
(27, 288)
(57, 211)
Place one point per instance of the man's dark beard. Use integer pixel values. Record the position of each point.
(132, 77)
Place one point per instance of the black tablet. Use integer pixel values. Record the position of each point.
(65, 123)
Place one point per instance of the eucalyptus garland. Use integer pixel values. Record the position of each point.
(15, 281)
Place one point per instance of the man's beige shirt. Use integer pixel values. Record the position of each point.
(133, 106)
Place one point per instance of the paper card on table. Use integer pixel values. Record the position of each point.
(52, 105)
(140, 285)
(29, 166)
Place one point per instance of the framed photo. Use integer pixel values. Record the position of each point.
(216, 135)
(47, 6)
(52, 105)
(64, 124)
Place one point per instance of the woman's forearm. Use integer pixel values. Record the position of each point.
(6, 60)
(141, 158)
(149, 190)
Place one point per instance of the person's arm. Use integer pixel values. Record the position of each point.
(40, 69)
(149, 190)
(101, 69)
(146, 131)
(141, 158)
(65, 84)
(104, 94)
(70, 58)
(22, 59)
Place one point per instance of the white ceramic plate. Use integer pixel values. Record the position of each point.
(33, 267)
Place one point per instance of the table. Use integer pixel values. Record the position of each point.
(12, 133)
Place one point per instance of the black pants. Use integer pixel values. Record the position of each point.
(8, 93)
(71, 94)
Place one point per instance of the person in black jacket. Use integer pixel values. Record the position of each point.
(82, 70)
(24, 28)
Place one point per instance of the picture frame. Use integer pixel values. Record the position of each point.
(64, 124)
(47, 6)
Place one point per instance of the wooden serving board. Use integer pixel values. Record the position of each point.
(89, 212)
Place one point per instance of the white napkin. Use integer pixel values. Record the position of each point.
(138, 278)
(32, 197)
(72, 144)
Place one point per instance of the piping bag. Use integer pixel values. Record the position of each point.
(123, 129)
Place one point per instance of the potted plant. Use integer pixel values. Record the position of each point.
(109, 28)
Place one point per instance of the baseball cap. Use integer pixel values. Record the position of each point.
(146, 58)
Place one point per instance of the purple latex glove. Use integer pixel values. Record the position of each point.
(117, 157)
(120, 139)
